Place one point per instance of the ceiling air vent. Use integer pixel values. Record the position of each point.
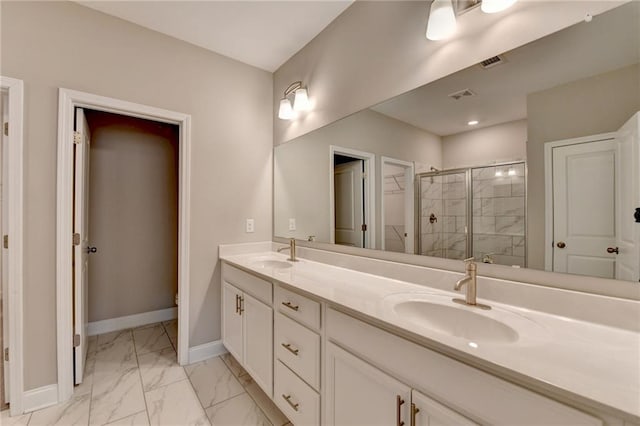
(465, 93)
(492, 62)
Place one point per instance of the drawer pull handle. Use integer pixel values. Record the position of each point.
(399, 402)
(288, 399)
(287, 346)
(237, 303)
(241, 304)
(414, 410)
(290, 306)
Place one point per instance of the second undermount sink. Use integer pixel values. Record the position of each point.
(271, 264)
(463, 322)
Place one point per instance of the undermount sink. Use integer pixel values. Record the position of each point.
(463, 322)
(271, 263)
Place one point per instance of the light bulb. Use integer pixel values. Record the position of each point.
(512, 172)
(495, 6)
(285, 112)
(498, 172)
(301, 100)
(442, 20)
(472, 122)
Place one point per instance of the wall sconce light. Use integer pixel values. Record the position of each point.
(442, 15)
(300, 101)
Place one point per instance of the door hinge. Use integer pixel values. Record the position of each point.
(77, 137)
(76, 340)
(364, 227)
(76, 239)
(364, 176)
(6, 128)
(6, 354)
(5, 241)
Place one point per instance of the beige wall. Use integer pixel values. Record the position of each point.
(133, 215)
(585, 107)
(62, 44)
(301, 168)
(500, 143)
(377, 49)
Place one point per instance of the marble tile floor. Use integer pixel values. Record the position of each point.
(132, 378)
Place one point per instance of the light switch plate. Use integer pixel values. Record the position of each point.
(249, 225)
(292, 224)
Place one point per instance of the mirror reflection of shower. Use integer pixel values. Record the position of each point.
(478, 211)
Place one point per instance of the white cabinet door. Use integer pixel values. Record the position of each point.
(427, 412)
(360, 394)
(258, 342)
(231, 320)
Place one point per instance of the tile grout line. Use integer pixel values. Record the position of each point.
(193, 388)
(144, 395)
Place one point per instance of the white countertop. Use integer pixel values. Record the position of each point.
(594, 362)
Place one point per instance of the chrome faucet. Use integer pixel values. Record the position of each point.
(470, 280)
(292, 250)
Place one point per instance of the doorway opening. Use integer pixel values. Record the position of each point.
(398, 218)
(352, 197)
(123, 210)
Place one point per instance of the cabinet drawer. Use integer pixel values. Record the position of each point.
(295, 398)
(257, 287)
(300, 308)
(298, 348)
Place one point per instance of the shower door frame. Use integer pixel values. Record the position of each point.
(469, 203)
(468, 207)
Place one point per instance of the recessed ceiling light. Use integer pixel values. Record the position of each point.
(472, 122)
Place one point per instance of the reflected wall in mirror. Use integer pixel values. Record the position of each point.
(529, 159)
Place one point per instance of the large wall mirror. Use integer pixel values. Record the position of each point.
(524, 160)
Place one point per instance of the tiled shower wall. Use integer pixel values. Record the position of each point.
(499, 214)
(445, 197)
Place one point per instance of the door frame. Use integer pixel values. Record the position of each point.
(548, 188)
(369, 192)
(68, 100)
(15, 255)
(409, 201)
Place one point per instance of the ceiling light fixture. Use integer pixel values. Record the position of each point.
(442, 20)
(495, 6)
(472, 122)
(300, 101)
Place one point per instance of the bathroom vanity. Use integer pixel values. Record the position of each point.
(335, 346)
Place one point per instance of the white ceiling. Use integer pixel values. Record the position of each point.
(609, 42)
(264, 33)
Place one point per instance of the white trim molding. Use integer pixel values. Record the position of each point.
(369, 192)
(15, 255)
(548, 188)
(68, 100)
(131, 321)
(41, 397)
(206, 351)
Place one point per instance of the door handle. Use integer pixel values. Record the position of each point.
(92, 249)
(561, 244)
(612, 250)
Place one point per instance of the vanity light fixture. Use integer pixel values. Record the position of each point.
(442, 20)
(442, 14)
(300, 101)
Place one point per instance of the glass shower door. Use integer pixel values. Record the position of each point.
(443, 214)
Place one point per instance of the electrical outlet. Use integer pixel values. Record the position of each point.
(292, 224)
(249, 225)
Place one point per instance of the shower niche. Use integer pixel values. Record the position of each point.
(477, 211)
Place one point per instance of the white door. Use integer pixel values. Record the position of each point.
(4, 273)
(427, 412)
(349, 203)
(232, 320)
(81, 250)
(360, 394)
(258, 342)
(628, 199)
(584, 191)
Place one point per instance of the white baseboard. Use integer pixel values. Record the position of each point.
(206, 351)
(130, 321)
(38, 398)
